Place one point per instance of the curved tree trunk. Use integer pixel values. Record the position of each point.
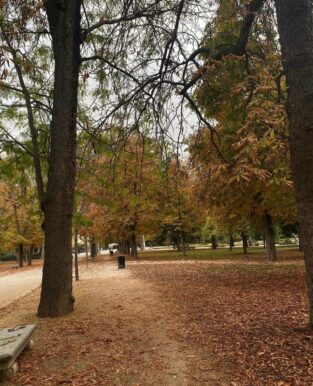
(295, 28)
(269, 237)
(56, 294)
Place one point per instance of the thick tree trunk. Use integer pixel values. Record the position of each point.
(56, 294)
(76, 255)
(300, 241)
(133, 244)
(295, 28)
(269, 237)
(244, 242)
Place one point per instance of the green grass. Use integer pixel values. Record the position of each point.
(209, 254)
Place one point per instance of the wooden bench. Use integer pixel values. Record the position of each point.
(12, 342)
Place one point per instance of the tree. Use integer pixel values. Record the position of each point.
(20, 215)
(71, 37)
(296, 37)
(122, 189)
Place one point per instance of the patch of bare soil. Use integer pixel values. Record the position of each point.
(121, 334)
(248, 320)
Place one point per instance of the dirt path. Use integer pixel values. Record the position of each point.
(121, 333)
(14, 286)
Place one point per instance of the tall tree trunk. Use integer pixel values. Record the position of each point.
(295, 28)
(56, 294)
(76, 255)
(269, 237)
(244, 242)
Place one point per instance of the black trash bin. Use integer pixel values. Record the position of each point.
(121, 262)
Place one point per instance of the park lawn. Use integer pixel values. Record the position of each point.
(219, 254)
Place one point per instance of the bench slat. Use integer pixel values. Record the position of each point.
(12, 342)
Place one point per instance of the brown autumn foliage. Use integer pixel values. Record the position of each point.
(239, 322)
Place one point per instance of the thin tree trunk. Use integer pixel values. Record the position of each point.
(244, 242)
(295, 28)
(213, 241)
(231, 242)
(269, 237)
(76, 255)
(93, 248)
(127, 246)
(86, 246)
(30, 256)
(56, 294)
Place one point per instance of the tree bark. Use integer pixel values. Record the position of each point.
(56, 294)
(213, 242)
(93, 248)
(244, 242)
(295, 28)
(30, 255)
(300, 241)
(86, 246)
(76, 255)
(133, 244)
(143, 243)
(269, 237)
